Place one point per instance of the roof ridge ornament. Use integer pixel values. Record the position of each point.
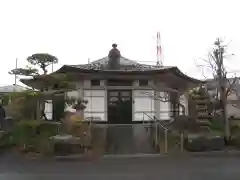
(114, 58)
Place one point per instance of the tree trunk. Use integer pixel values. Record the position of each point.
(223, 99)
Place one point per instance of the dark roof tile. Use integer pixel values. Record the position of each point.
(125, 64)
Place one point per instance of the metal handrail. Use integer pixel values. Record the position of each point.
(154, 119)
(163, 127)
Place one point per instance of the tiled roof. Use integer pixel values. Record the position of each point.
(125, 64)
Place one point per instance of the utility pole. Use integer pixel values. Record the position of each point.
(15, 75)
(159, 51)
(52, 67)
(221, 77)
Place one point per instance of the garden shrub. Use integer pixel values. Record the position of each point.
(32, 134)
(235, 135)
(217, 125)
(23, 105)
(209, 142)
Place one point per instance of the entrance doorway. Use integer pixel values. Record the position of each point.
(119, 135)
(119, 106)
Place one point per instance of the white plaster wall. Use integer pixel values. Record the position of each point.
(184, 101)
(157, 105)
(87, 84)
(96, 106)
(48, 109)
(74, 94)
(143, 102)
(165, 108)
(96, 109)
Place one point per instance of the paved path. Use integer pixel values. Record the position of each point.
(165, 168)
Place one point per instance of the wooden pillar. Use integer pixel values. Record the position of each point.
(186, 97)
(157, 105)
(174, 97)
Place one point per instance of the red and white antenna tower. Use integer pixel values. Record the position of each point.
(159, 50)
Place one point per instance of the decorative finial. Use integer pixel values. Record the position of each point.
(114, 58)
(114, 45)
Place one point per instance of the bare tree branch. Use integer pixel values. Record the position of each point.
(231, 86)
(212, 63)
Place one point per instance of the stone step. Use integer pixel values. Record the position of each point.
(203, 123)
(202, 101)
(137, 139)
(201, 109)
(204, 117)
(200, 97)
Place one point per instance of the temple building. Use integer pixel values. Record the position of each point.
(123, 91)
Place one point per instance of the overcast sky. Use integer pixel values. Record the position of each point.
(75, 30)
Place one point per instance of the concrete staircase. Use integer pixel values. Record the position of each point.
(129, 139)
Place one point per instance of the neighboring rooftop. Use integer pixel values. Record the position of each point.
(12, 88)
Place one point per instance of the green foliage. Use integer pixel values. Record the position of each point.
(5, 100)
(235, 135)
(235, 128)
(6, 140)
(32, 134)
(204, 142)
(43, 60)
(199, 93)
(22, 105)
(26, 94)
(217, 125)
(24, 71)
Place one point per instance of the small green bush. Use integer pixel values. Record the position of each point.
(217, 125)
(31, 134)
